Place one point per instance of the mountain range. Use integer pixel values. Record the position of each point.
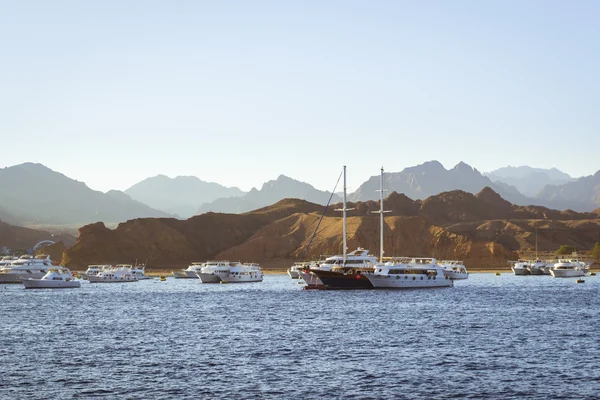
(181, 195)
(270, 192)
(528, 180)
(33, 194)
(483, 229)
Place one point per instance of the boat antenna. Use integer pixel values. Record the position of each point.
(381, 212)
(343, 210)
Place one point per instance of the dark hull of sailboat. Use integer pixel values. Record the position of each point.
(334, 280)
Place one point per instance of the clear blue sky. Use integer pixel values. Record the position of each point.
(238, 92)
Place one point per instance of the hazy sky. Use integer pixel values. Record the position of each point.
(238, 92)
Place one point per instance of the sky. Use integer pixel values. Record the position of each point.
(239, 92)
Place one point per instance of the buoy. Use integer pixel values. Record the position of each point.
(593, 274)
(163, 278)
(580, 281)
(497, 273)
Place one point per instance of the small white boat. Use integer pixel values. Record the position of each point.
(55, 278)
(243, 273)
(415, 275)
(113, 275)
(568, 269)
(190, 272)
(454, 269)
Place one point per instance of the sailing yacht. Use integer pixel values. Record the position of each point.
(347, 271)
(25, 267)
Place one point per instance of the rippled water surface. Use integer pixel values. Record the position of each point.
(488, 337)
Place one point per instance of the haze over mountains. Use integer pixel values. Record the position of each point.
(34, 194)
(529, 181)
(181, 195)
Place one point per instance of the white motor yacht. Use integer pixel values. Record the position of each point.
(568, 269)
(415, 275)
(136, 270)
(454, 269)
(25, 267)
(113, 275)
(244, 273)
(94, 269)
(190, 272)
(55, 278)
(521, 268)
(538, 267)
(215, 271)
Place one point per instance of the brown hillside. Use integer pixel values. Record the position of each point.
(483, 230)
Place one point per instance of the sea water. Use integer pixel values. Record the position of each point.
(487, 337)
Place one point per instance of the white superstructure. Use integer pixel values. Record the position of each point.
(419, 273)
(190, 272)
(136, 270)
(454, 269)
(520, 268)
(113, 275)
(55, 278)
(568, 269)
(95, 269)
(216, 271)
(244, 273)
(25, 267)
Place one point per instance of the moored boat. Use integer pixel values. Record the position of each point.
(215, 271)
(520, 268)
(409, 276)
(568, 269)
(25, 267)
(347, 272)
(94, 270)
(139, 271)
(113, 275)
(454, 269)
(55, 278)
(298, 267)
(244, 273)
(190, 272)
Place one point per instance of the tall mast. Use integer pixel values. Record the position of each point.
(344, 214)
(343, 210)
(381, 217)
(536, 250)
(381, 212)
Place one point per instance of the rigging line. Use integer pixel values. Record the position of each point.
(321, 219)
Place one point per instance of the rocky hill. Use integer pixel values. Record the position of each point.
(20, 238)
(270, 192)
(182, 195)
(483, 229)
(34, 194)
